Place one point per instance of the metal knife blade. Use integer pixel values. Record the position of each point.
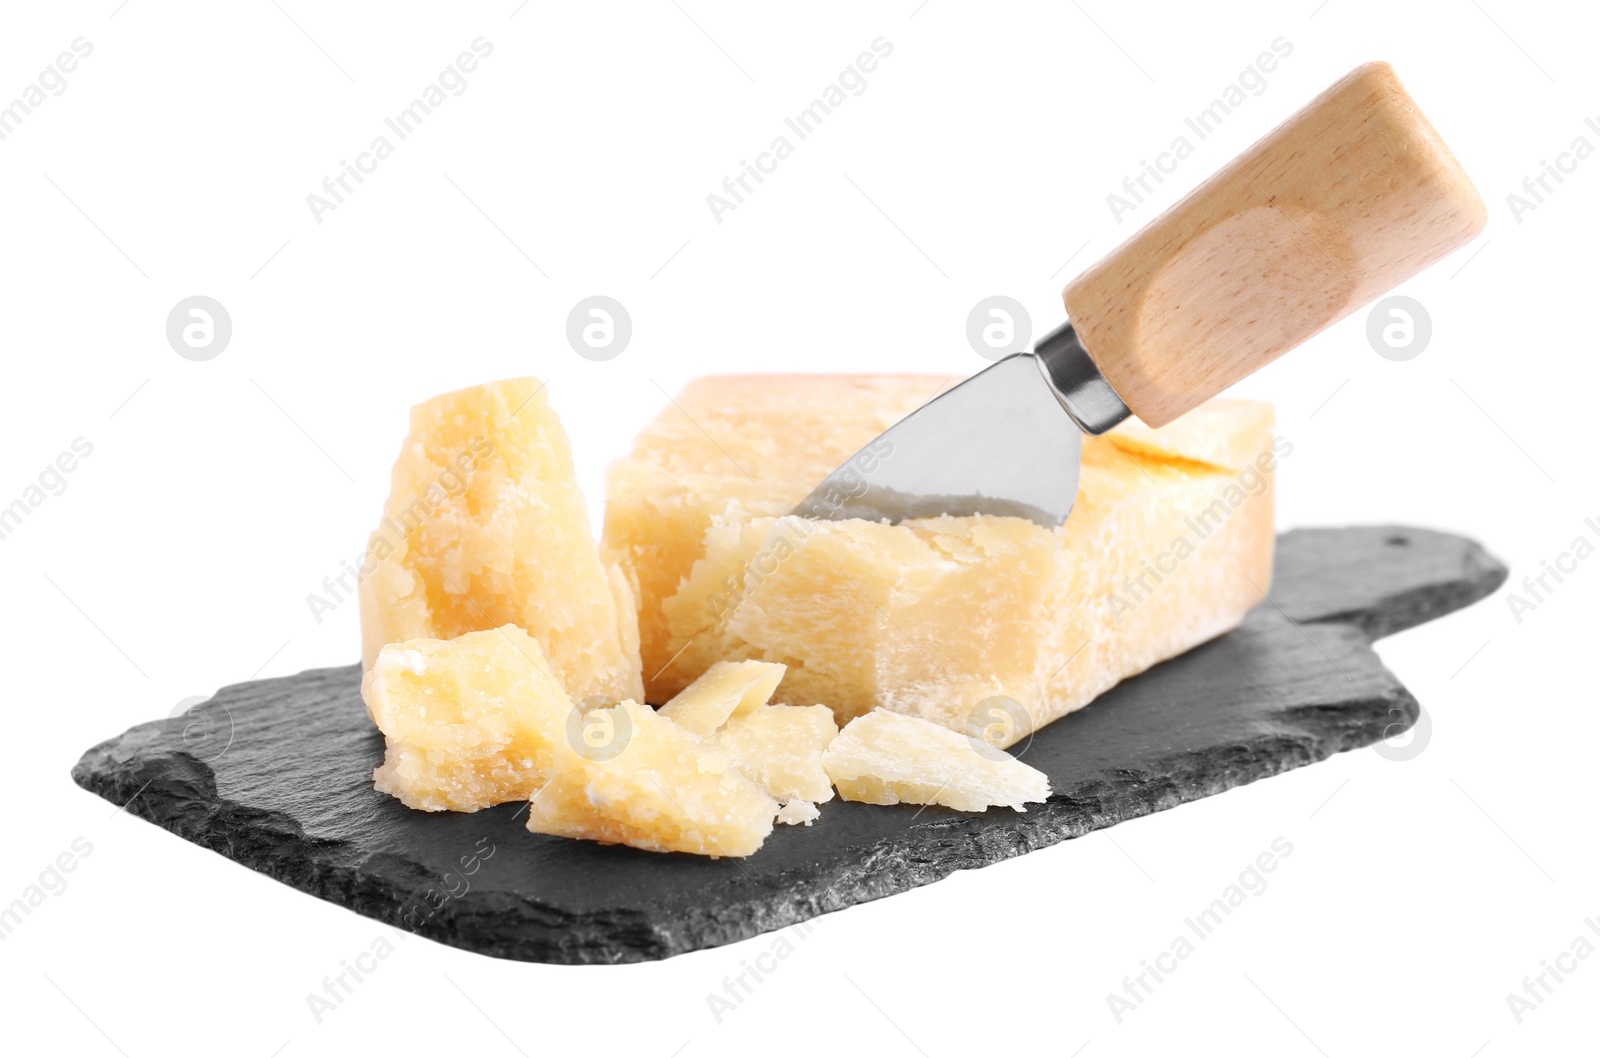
(998, 444)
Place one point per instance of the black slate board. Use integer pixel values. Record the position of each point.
(288, 791)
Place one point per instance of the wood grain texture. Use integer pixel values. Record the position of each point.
(281, 780)
(1351, 196)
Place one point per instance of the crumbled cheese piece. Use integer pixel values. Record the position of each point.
(725, 689)
(628, 775)
(780, 747)
(798, 811)
(470, 722)
(886, 758)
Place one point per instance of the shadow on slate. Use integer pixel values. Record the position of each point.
(288, 788)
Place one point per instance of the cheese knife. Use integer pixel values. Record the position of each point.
(1349, 197)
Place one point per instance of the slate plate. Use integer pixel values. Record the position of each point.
(276, 774)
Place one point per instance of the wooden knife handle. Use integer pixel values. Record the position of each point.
(1348, 198)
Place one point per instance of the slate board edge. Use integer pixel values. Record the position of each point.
(191, 809)
(1481, 576)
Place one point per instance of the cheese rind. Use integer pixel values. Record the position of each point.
(652, 785)
(781, 747)
(725, 689)
(1169, 544)
(885, 758)
(469, 722)
(485, 526)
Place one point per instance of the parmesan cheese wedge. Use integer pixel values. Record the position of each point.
(485, 526)
(470, 722)
(725, 689)
(1169, 544)
(885, 758)
(627, 775)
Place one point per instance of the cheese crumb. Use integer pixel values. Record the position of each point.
(798, 811)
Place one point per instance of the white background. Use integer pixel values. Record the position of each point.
(978, 160)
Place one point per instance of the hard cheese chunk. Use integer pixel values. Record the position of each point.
(726, 688)
(469, 722)
(1169, 544)
(780, 747)
(631, 776)
(885, 758)
(485, 526)
(785, 430)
